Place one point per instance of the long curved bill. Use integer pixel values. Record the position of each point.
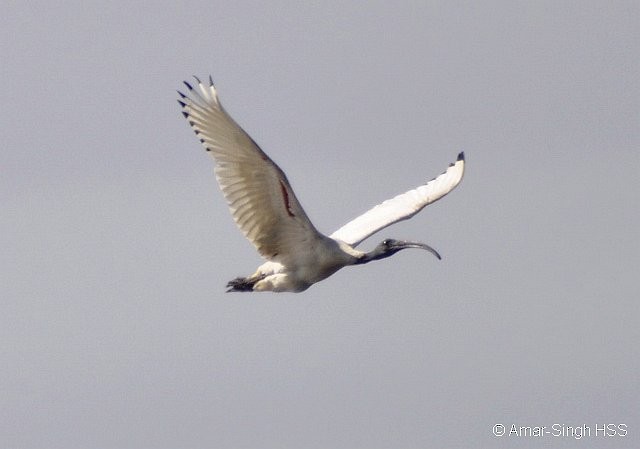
(420, 245)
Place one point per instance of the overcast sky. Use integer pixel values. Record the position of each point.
(115, 330)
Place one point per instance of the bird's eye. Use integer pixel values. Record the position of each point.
(386, 242)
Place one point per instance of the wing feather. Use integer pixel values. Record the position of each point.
(401, 207)
(259, 196)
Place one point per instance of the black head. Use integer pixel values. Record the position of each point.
(389, 247)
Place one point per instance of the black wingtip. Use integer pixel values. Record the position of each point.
(210, 81)
(460, 156)
(182, 103)
(186, 115)
(181, 94)
(197, 79)
(188, 85)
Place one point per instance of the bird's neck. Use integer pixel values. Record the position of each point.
(352, 255)
(375, 254)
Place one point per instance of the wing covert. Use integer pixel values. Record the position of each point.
(401, 207)
(259, 196)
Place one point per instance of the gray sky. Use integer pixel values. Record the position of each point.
(115, 330)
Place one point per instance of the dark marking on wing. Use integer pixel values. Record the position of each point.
(285, 197)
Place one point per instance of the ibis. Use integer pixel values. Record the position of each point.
(267, 211)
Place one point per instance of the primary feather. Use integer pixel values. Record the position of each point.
(401, 207)
(259, 196)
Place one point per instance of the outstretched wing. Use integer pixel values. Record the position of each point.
(401, 207)
(259, 195)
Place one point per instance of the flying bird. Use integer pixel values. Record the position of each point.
(266, 209)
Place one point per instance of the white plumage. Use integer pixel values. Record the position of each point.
(266, 209)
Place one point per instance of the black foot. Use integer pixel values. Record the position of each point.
(241, 285)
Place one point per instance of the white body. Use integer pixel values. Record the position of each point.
(320, 261)
(267, 211)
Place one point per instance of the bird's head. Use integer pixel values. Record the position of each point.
(388, 247)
